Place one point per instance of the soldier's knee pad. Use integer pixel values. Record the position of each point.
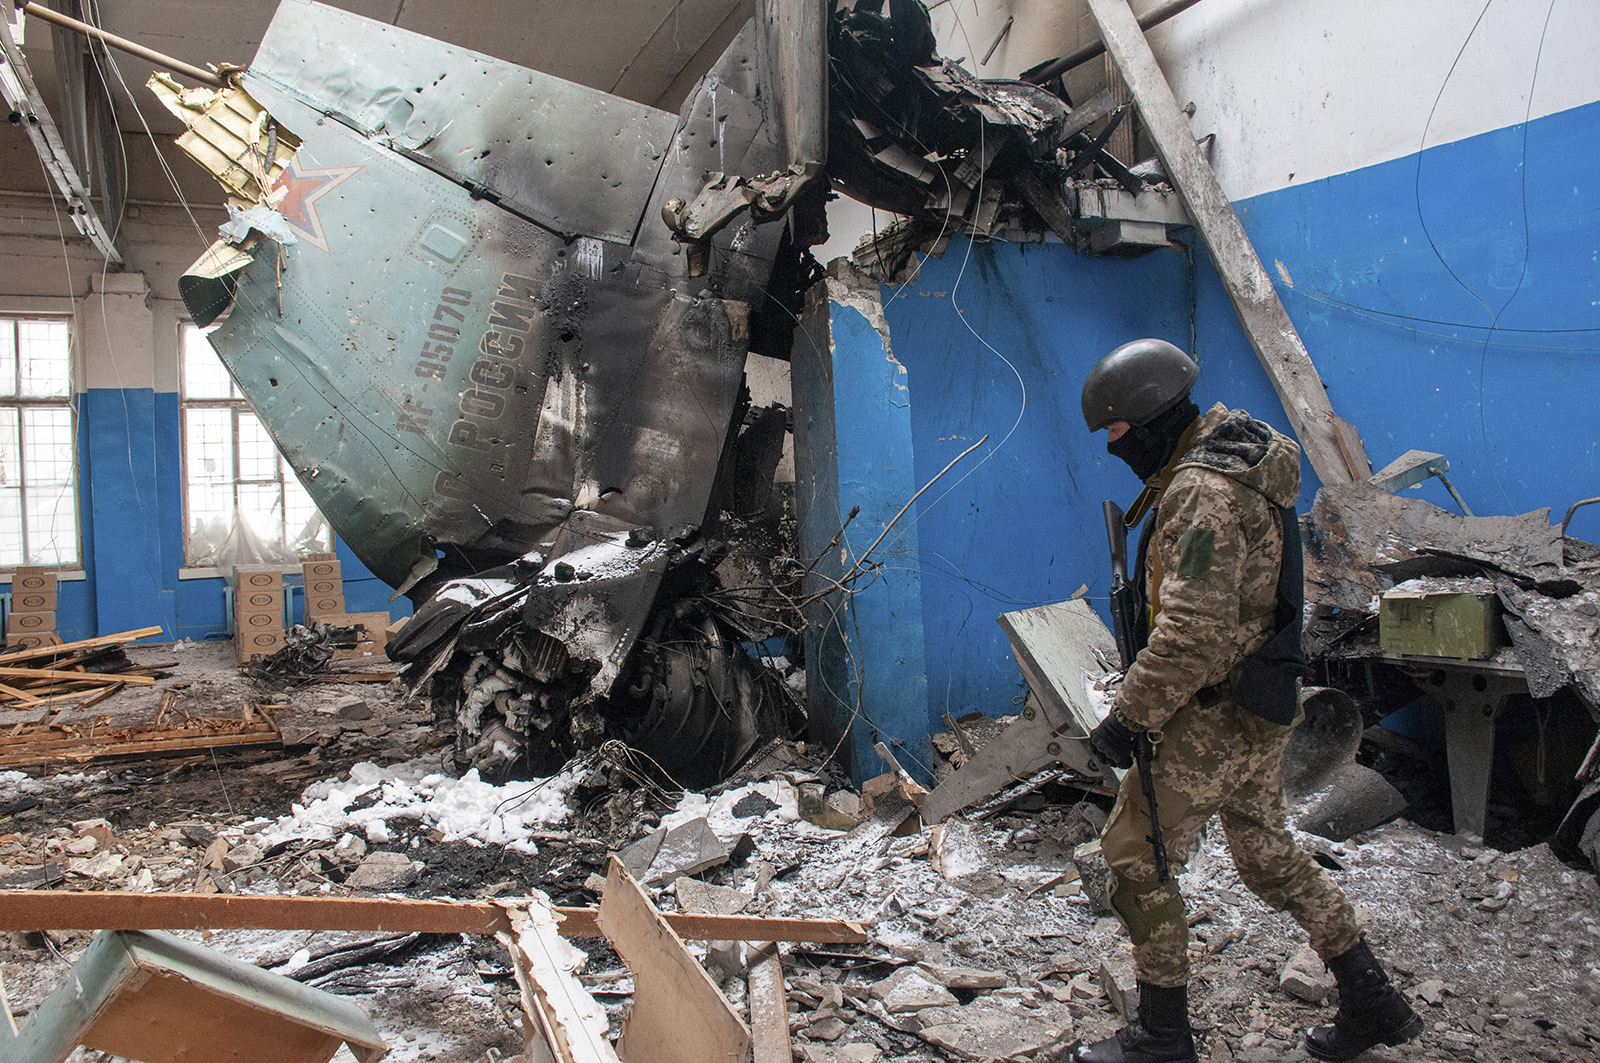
(1144, 906)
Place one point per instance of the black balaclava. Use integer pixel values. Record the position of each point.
(1147, 447)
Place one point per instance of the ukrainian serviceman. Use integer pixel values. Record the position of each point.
(1207, 690)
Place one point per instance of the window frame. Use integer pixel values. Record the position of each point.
(236, 402)
(68, 402)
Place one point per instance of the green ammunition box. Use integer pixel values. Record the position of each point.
(1432, 624)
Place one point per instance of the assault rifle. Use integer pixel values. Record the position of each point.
(1124, 605)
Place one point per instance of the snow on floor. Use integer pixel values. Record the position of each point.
(465, 809)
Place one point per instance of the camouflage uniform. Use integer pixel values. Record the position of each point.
(1212, 582)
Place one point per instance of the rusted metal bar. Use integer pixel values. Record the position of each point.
(52, 910)
(122, 44)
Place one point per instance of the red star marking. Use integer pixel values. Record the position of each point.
(304, 187)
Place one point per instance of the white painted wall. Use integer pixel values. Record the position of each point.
(1298, 90)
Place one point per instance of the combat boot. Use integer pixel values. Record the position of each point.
(1159, 1035)
(1371, 1010)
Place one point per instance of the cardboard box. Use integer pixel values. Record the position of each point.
(1432, 624)
(33, 580)
(23, 622)
(34, 601)
(324, 588)
(320, 570)
(32, 640)
(319, 608)
(256, 579)
(258, 622)
(258, 644)
(258, 601)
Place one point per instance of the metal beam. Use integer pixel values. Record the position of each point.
(205, 77)
(1040, 74)
(17, 85)
(1330, 443)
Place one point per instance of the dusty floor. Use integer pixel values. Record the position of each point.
(1501, 951)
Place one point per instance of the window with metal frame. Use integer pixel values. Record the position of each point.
(242, 503)
(38, 444)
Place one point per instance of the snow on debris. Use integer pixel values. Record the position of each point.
(473, 591)
(21, 783)
(465, 809)
(719, 812)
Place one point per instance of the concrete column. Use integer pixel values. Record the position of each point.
(122, 525)
(866, 675)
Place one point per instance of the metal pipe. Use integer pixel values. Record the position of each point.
(1154, 18)
(173, 204)
(111, 40)
(998, 38)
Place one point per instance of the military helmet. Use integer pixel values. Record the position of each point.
(1136, 383)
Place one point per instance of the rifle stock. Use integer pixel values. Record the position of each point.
(1124, 601)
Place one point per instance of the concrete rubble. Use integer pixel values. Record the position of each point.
(978, 950)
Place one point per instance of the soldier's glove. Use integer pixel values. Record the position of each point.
(1113, 743)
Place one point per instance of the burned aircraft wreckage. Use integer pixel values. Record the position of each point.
(497, 323)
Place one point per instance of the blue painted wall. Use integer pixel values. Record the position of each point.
(996, 339)
(1512, 239)
(130, 498)
(1422, 254)
(123, 534)
(867, 649)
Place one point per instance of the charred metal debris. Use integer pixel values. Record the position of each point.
(1490, 617)
(504, 352)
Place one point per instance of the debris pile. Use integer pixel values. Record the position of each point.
(534, 664)
(307, 651)
(1361, 544)
(447, 809)
(917, 134)
(50, 745)
(987, 941)
(85, 672)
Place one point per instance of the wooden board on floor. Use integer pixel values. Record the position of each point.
(555, 1007)
(769, 1004)
(82, 644)
(116, 910)
(76, 677)
(679, 1015)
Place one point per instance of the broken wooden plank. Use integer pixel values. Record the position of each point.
(78, 677)
(98, 696)
(65, 736)
(581, 922)
(1330, 443)
(19, 695)
(69, 648)
(555, 1006)
(112, 910)
(769, 1005)
(114, 750)
(679, 1015)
